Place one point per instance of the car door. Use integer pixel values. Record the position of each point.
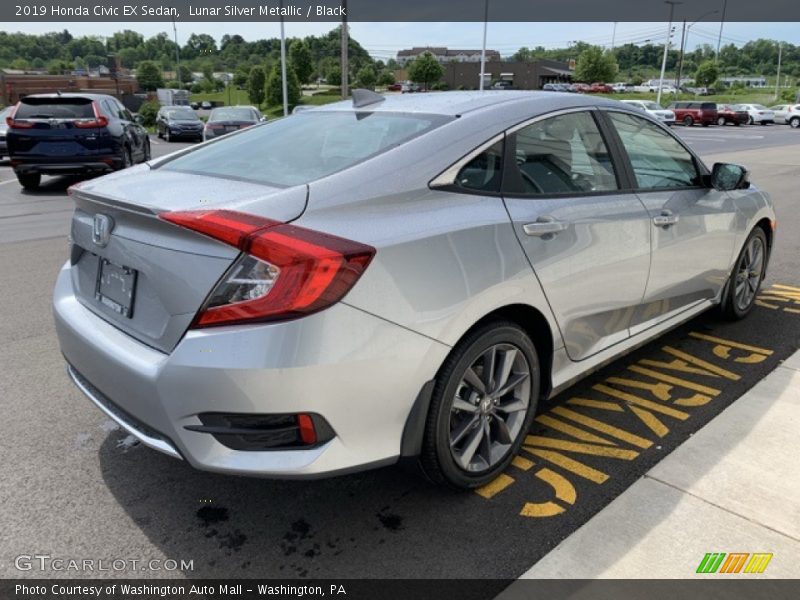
(137, 133)
(693, 226)
(587, 240)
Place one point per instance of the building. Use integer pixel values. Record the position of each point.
(521, 75)
(754, 82)
(445, 55)
(16, 84)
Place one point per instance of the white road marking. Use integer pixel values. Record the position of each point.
(7, 181)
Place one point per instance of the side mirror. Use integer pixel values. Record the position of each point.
(726, 177)
(139, 119)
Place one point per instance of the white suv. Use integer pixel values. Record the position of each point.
(788, 114)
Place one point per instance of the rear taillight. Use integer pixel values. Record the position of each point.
(15, 124)
(285, 271)
(100, 120)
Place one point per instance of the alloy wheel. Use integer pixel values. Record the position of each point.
(489, 408)
(748, 273)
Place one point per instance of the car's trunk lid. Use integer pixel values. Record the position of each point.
(150, 277)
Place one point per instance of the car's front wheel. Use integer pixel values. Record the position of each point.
(29, 181)
(721, 121)
(483, 403)
(745, 280)
(167, 135)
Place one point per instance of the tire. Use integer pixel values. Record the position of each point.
(688, 121)
(147, 152)
(763, 122)
(721, 121)
(159, 135)
(751, 121)
(127, 158)
(738, 303)
(167, 136)
(705, 123)
(794, 122)
(737, 123)
(475, 458)
(29, 181)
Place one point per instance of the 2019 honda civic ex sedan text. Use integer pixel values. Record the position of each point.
(398, 277)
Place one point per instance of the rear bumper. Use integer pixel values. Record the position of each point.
(360, 373)
(51, 167)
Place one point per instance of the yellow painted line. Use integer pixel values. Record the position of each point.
(545, 442)
(541, 509)
(601, 404)
(494, 487)
(785, 287)
(676, 365)
(573, 431)
(792, 310)
(740, 346)
(702, 363)
(522, 463)
(765, 305)
(569, 464)
(659, 390)
(630, 398)
(615, 432)
(651, 421)
(689, 385)
(565, 491)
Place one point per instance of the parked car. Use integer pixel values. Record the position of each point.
(758, 113)
(788, 114)
(395, 87)
(69, 134)
(581, 88)
(622, 88)
(6, 112)
(689, 113)
(294, 313)
(206, 105)
(230, 118)
(408, 88)
(600, 88)
(503, 84)
(727, 113)
(652, 108)
(174, 122)
(550, 87)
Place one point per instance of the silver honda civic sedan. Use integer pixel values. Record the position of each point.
(393, 278)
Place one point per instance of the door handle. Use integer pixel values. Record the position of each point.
(544, 226)
(665, 219)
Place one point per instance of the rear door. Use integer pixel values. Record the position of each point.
(693, 227)
(54, 128)
(587, 239)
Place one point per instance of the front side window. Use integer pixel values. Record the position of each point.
(561, 155)
(658, 159)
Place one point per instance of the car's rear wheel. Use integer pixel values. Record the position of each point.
(794, 122)
(29, 181)
(483, 403)
(745, 281)
(127, 160)
(751, 121)
(167, 135)
(688, 121)
(721, 121)
(147, 152)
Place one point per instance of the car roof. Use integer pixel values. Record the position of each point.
(70, 95)
(459, 103)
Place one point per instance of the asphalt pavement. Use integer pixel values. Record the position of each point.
(76, 487)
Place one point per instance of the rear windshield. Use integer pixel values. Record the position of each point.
(182, 113)
(55, 108)
(233, 114)
(304, 147)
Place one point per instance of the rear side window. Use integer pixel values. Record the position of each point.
(484, 172)
(658, 159)
(709, 106)
(305, 146)
(561, 155)
(55, 108)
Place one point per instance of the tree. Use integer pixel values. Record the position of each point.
(255, 85)
(385, 77)
(707, 73)
(148, 112)
(595, 65)
(334, 75)
(367, 77)
(300, 57)
(425, 69)
(275, 86)
(149, 76)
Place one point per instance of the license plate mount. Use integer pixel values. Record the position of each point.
(116, 287)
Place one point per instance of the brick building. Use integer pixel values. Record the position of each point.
(17, 84)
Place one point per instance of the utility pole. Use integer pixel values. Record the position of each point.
(672, 4)
(613, 36)
(721, 23)
(283, 66)
(345, 66)
(778, 78)
(177, 53)
(483, 48)
(680, 60)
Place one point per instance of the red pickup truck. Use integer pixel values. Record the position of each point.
(690, 113)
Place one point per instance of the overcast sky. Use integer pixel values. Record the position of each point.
(383, 40)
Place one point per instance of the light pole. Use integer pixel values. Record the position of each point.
(672, 4)
(684, 44)
(344, 53)
(283, 66)
(613, 36)
(778, 78)
(483, 48)
(177, 53)
(721, 23)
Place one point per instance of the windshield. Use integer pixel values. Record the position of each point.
(233, 114)
(760, 107)
(304, 147)
(182, 113)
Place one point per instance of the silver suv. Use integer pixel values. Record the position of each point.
(394, 277)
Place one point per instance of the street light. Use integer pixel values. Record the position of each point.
(684, 44)
(483, 48)
(672, 4)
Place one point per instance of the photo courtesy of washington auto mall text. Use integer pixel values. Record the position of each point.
(419, 300)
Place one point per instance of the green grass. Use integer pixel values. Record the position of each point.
(272, 111)
(226, 97)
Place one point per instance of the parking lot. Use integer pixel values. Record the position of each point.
(76, 487)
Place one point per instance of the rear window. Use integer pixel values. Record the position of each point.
(305, 146)
(233, 114)
(55, 108)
